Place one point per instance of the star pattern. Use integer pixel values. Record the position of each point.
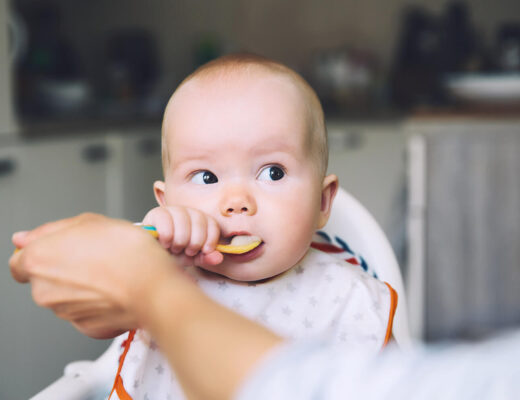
(338, 300)
(307, 324)
(134, 359)
(305, 302)
(290, 287)
(263, 317)
(237, 305)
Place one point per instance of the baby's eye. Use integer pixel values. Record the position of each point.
(204, 178)
(271, 173)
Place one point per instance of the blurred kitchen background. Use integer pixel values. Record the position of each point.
(422, 100)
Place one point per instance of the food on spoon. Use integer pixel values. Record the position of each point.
(240, 244)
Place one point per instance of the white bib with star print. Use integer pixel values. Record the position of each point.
(322, 295)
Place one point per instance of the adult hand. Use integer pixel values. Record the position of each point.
(92, 271)
(107, 276)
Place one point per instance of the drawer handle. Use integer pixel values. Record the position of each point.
(95, 153)
(149, 147)
(7, 166)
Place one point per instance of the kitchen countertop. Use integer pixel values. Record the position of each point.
(79, 128)
(487, 112)
(82, 127)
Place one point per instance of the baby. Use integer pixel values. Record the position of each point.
(245, 159)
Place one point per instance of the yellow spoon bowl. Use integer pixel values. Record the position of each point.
(230, 249)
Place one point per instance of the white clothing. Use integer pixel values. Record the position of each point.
(321, 296)
(322, 370)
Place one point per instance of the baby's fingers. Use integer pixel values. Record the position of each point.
(213, 235)
(208, 260)
(199, 226)
(163, 223)
(181, 229)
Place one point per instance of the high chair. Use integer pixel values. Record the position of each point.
(350, 226)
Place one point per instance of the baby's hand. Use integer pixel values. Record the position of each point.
(188, 233)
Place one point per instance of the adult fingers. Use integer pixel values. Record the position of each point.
(104, 326)
(22, 239)
(16, 265)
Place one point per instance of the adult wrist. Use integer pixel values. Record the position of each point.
(166, 294)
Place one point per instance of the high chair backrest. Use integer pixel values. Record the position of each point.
(350, 226)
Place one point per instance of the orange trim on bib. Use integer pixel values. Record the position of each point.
(393, 306)
(118, 383)
(120, 389)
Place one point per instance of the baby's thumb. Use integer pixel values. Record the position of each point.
(200, 260)
(210, 259)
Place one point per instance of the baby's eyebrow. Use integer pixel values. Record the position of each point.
(274, 146)
(186, 157)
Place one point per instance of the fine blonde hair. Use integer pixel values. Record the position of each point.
(225, 66)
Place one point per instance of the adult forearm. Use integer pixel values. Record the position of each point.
(211, 348)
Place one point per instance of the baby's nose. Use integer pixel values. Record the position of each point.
(237, 201)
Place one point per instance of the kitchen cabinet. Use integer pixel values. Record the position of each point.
(369, 159)
(464, 228)
(110, 173)
(141, 167)
(43, 181)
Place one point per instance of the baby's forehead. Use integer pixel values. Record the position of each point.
(240, 80)
(208, 90)
(224, 90)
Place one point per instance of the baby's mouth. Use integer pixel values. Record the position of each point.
(239, 244)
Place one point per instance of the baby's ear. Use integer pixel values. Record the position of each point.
(328, 192)
(158, 191)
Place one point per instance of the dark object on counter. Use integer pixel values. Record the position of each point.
(508, 44)
(431, 48)
(132, 64)
(460, 48)
(207, 48)
(49, 78)
(415, 75)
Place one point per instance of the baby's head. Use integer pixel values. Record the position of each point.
(244, 141)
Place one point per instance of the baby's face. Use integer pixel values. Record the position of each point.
(239, 152)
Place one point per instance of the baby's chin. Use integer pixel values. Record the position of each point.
(247, 272)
